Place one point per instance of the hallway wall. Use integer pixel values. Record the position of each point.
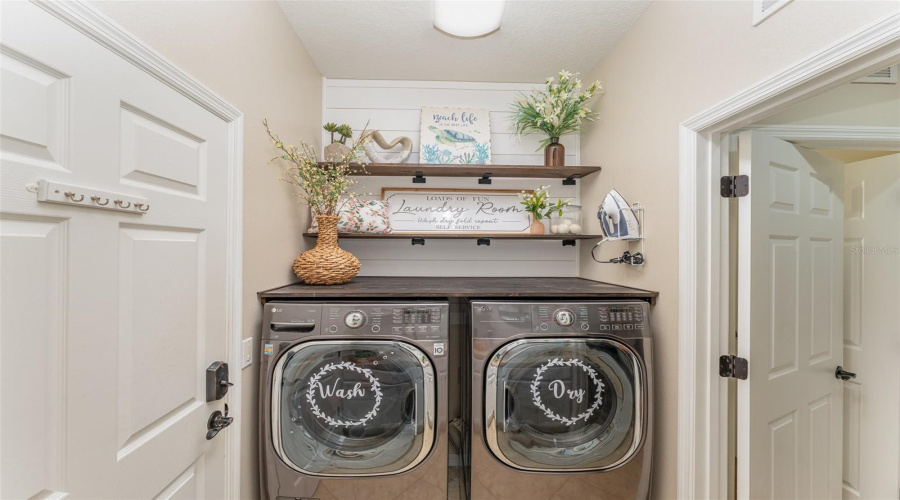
(679, 59)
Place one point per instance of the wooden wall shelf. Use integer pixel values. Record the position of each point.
(482, 239)
(472, 236)
(429, 169)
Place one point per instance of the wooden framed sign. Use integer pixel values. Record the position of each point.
(455, 211)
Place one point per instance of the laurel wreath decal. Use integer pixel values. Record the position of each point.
(536, 395)
(314, 381)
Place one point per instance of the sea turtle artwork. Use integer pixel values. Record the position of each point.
(455, 136)
(450, 137)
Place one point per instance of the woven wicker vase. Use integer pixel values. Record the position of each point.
(327, 263)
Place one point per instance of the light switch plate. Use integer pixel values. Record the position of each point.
(247, 352)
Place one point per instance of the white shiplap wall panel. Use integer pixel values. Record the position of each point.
(394, 108)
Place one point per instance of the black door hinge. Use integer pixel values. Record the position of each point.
(735, 186)
(733, 367)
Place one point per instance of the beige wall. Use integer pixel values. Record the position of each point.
(853, 104)
(247, 53)
(679, 59)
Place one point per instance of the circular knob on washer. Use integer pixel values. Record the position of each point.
(355, 319)
(564, 317)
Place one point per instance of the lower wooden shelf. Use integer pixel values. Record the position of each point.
(448, 236)
(482, 239)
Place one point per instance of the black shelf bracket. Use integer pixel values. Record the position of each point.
(484, 241)
(419, 178)
(570, 180)
(418, 241)
(568, 243)
(485, 178)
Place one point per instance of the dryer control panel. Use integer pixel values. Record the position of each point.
(504, 319)
(604, 317)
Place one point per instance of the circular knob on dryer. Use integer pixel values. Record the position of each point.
(564, 317)
(355, 319)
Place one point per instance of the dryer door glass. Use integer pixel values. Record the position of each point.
(564, 404)
(353, 408)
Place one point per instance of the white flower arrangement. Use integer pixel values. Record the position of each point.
(556, 111)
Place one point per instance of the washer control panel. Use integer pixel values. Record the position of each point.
(420, 321)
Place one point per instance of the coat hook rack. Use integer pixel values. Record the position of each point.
(77, 196)
(627, 257)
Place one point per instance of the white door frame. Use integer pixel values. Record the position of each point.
(835, 136)
(88, 20)
(703, 241)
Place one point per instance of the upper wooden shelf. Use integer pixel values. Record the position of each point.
(430, 169)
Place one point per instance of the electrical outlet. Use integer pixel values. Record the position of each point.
(247, 348)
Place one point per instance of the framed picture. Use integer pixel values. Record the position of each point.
(455, 211)
(455, 135)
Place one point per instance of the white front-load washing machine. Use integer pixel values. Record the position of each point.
(561, 400)
(353, 400)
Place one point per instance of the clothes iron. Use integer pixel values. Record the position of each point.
(617, 218)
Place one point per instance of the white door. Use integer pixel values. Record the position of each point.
(109, 319)
(789, 321)
(872, 328)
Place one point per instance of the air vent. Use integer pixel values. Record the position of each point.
(762, 9)
(887, 75)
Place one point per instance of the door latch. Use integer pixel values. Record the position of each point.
(217, 383)
(217, 422)
(731, 366)
(843, 374)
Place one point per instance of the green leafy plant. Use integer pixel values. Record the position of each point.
(556, 111)
(538, 203)
(320, 186)
(344, 132)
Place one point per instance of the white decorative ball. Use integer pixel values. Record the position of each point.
(554, 229)
(566, 222)
(575, 229)
(564, 229)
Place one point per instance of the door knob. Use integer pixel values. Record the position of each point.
(842, 374)
(217, 422)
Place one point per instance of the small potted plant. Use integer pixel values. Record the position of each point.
(539, 206)
(321, 187)
(338, 147)
(556, 111)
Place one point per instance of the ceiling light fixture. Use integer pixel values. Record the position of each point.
(468, 18)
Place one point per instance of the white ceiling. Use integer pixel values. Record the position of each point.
(396, 40)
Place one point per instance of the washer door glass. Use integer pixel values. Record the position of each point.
(564, 404)
(353, 408)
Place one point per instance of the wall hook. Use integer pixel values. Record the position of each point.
(122, 204)
(96, 200)
(71, 196)
(143, 207)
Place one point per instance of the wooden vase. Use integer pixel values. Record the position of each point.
(555, 154)
(537, 227)
(327, 263)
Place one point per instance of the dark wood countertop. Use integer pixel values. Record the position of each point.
(431, 287)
